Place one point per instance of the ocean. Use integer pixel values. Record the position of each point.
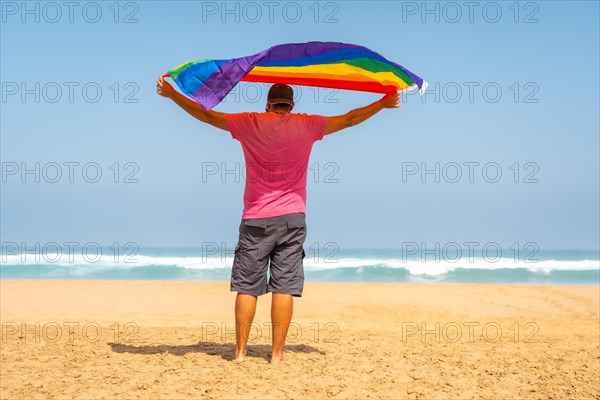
(559, 267)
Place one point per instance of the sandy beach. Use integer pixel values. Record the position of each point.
(157, 339)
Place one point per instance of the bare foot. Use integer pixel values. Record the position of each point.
(277, 358)
(239, 356)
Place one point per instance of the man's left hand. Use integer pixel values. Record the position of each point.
(164, 88)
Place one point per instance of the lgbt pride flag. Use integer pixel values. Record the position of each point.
(320, 64)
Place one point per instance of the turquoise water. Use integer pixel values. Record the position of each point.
(350, 265)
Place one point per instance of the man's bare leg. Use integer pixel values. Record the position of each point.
(281, 316)
(245, 308)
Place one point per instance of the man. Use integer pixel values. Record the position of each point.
(277, 146)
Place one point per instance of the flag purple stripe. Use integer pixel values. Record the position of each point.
(220, 83)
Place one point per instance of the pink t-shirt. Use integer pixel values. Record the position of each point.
(276, 149)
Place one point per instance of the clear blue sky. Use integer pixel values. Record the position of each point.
(542, 56)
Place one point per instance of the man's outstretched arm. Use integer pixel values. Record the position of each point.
(359, 115)
(214, 118)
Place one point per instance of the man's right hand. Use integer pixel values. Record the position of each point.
(391, 100)
(359, 115)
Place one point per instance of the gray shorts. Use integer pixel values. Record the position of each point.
(277, 241)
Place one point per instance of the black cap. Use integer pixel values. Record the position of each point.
(281, 93)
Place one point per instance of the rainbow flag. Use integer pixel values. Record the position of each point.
(321, 64)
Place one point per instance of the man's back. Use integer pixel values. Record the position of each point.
(276, 149)
(272, 232)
